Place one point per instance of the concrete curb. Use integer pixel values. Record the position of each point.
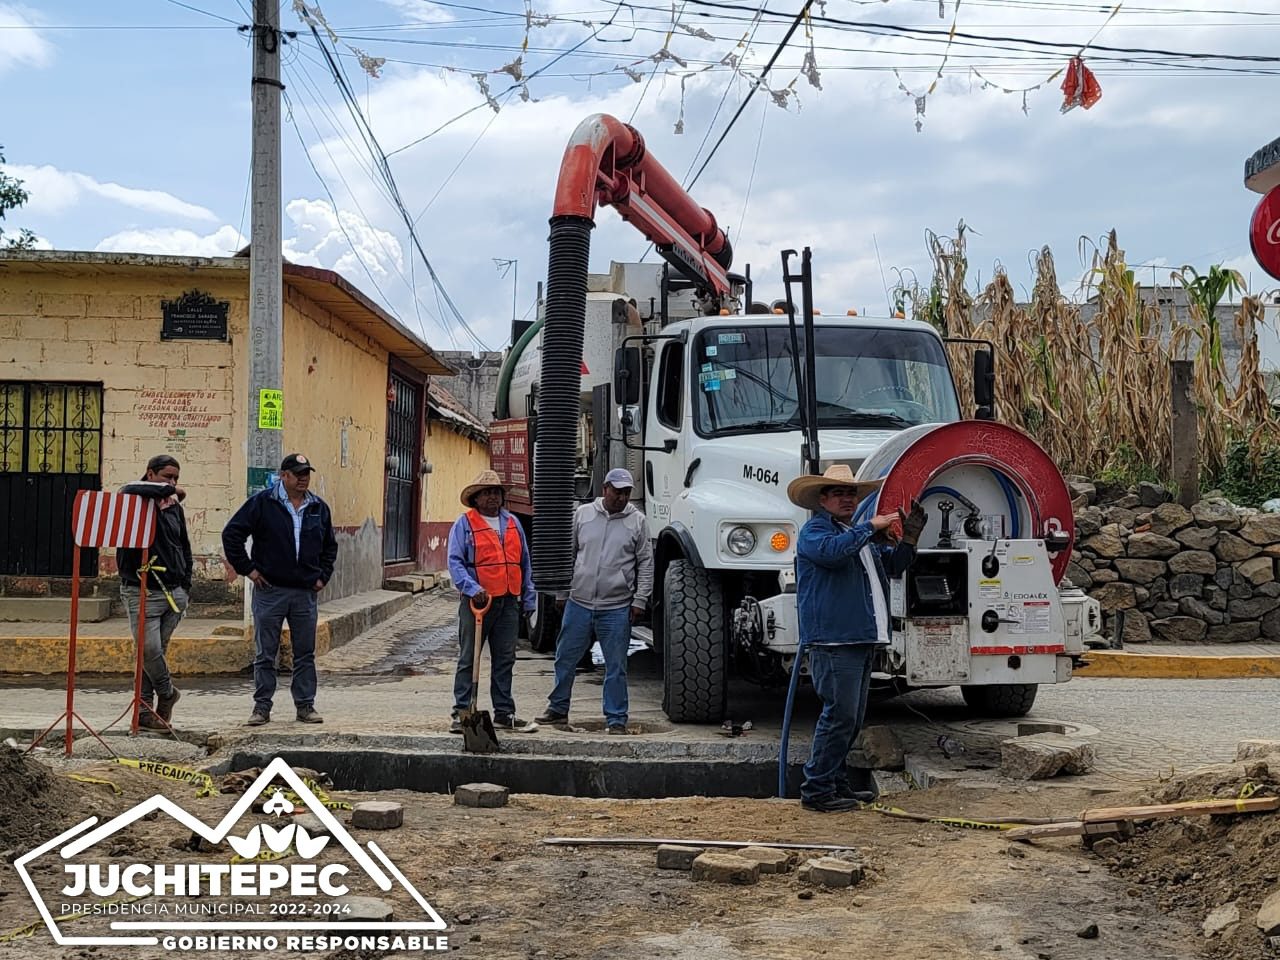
(1156, 666)
(229, 649)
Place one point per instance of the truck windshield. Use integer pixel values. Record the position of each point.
(744, 379)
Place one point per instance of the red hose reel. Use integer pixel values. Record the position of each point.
(1013, 454)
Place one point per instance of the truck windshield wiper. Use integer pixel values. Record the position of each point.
(865, 418)
(790, 423)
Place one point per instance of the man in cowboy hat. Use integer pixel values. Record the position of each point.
(842, 573)
(489, 563)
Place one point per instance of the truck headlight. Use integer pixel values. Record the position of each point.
(741, 541)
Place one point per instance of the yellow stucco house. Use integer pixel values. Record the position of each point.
(107, 359)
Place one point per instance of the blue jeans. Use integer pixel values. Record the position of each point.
(161, 622)
(577, 630)
(272, 606)
(842, 677)
(501, 624)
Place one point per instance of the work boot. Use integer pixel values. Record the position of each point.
(149, 721)
(830, 804)
(164, 705)
(258, 718)
(618, 729)
(552, 718)
(308, 714)
(846, 792)
(455, 725)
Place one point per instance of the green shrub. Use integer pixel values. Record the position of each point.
(1247, 481)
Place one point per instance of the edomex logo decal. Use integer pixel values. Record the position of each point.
(240, 896)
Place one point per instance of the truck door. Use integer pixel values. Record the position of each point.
(663, 475)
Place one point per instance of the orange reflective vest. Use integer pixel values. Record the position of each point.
(497, 559)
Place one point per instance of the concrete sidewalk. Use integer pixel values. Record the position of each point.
(198, 646)
(1185, 661)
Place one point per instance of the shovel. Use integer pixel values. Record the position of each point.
(478, 734)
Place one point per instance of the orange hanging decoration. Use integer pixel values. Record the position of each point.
(1080, 88)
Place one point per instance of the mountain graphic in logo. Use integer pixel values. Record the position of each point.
(369, 857)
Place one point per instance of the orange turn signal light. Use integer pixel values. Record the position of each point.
(851, 313)
(779, 541)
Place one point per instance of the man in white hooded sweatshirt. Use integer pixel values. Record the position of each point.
(612, 581)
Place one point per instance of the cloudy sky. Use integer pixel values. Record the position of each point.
(130, 124)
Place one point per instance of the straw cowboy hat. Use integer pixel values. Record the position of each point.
(485, 479)
(805, 491)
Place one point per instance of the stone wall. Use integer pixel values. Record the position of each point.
(1203, 575)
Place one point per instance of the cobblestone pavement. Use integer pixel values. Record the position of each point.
(397, 679)
(416, 638)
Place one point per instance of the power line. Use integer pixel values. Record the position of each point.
(215, 16)
(759, 82)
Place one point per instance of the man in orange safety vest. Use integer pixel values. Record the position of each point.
(489, 563)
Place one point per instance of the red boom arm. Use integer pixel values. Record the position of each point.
(606, 162)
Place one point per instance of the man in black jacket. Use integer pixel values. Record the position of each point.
(294, 549)
(168, 582)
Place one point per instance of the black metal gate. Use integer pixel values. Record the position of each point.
(404, 442)
(50, 448)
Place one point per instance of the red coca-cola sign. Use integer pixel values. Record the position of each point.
(1264, 233)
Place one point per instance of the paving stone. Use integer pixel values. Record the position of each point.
(366, 909)
(311, 823)
(1252, 749)
(877, 748)
(481, 795)
(769, 859)
(1268, 920)
(673, 856)
(377, 815)
(1044, 755)
(832, 872)
(726, 868)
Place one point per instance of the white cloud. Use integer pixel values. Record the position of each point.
(419, 11)
(55, 191)
(21, 44)
(341, 240)
(223, 242)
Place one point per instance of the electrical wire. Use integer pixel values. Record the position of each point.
(215, 16)
(759, 81)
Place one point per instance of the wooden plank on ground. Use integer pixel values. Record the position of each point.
(1071, 828)
(1195, 808)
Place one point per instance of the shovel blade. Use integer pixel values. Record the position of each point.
(478, 734)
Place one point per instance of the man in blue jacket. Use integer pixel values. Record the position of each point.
(842, 599)
(294, 549)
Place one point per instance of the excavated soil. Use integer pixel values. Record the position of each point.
(35, 804)
(1195, 865)
(929, 891)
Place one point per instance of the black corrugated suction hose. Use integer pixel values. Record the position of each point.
(559, 392)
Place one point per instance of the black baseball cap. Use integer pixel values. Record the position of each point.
(296, 463)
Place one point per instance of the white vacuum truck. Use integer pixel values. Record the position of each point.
(716, 402)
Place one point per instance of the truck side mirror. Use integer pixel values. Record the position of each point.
(631, 420)
(984, 385)
(626, 375)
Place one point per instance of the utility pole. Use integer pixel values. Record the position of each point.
(266, 372)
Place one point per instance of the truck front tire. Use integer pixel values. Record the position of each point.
(695, 657)
(1001, 699)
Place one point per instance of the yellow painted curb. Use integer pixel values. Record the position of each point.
(1156, 666)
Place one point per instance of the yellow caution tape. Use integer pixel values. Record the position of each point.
(83, 778)
(266, 856)
(28, 930)
(171, 772)
(961, 822)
